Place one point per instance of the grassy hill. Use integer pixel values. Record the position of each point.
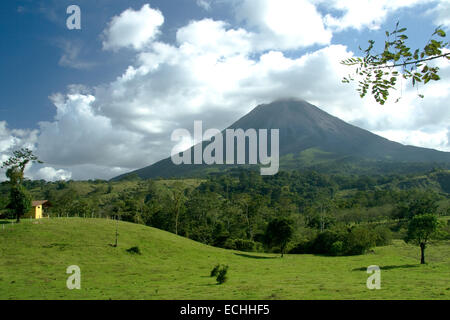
(34, 257)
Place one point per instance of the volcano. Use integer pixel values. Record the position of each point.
(310, 138)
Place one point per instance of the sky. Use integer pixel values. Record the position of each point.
(104, 100)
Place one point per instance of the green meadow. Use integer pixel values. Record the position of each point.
(34, 256)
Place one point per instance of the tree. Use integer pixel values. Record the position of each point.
(16, 164)
(379, 73)
(279, 232)
(423, 203)
(421, 228)
(177, 194)
(20, 201)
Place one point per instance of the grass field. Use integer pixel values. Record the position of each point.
(34, 257)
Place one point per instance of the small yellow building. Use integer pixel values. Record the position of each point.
(37, 211)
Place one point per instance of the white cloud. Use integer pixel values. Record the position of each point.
(71, 56)
(79, 136)
(217, 73)
(363, 13)
(11, 140)
(205, 4)
(284, 24)
(441, 13)
(51, 174)
(435, 139)
(133, 28)
(213, 37)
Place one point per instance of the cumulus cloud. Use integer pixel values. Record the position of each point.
(51, 174)
(133, 28)
(13, 139)
(217, 73)
(438, 138)
(441, 13)
(78, 135)
(363, 13)
(284, 24)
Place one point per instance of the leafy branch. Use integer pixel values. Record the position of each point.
(379, 73)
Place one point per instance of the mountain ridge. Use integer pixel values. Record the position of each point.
(303, 127)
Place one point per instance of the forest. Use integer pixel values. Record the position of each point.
(326, 214)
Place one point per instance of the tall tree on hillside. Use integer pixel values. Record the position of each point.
(178, 197)
(379, 73)
(421, 229)
(15, 165)
(20, 200)
(278, 233)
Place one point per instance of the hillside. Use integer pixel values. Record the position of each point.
(312, 138)
(34, 258)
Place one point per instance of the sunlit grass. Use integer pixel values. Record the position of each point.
(34, 257)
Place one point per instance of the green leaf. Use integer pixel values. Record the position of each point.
(440, 33)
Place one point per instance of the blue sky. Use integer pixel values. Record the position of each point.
(59, 84)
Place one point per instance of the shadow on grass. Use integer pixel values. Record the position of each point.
(404, 266)
(5, 222)
(209, 285)
(253, 257)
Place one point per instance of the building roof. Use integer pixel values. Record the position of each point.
(39, 202)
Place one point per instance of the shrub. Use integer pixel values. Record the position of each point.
(302, 247)
(229, 244)
(134, 250)
(240, 245)
(359, 240)
(337, 248)
(324, 241)
(383, 236)
(222, 275)
(342, 241)
(215, 271)
(244, 245)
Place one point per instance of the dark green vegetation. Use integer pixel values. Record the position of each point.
(279, 233)
(420, 230)
(35, 257)
(220, 272)
(311, 139)
(19, 198)
(328, 214)
(19, 201)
